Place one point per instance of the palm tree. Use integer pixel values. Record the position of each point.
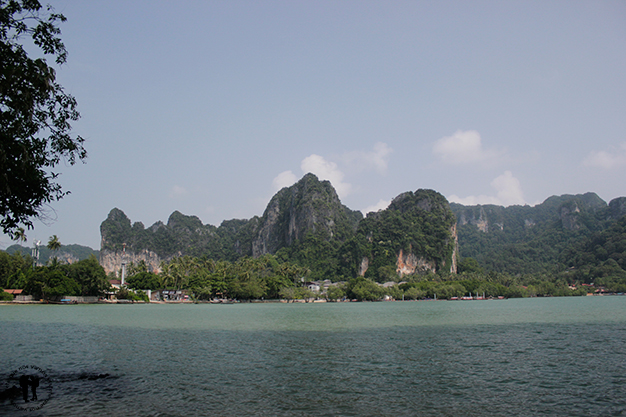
(165, 276)
(54, 244)
(20, 235)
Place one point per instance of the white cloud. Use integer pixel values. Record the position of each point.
(381, 205)
(509, 189)
(463, 147)
(508, 192)
(607, 160)
(177, 191)
(377, 159)
(326, 170)
(473, 200)
(284, 179)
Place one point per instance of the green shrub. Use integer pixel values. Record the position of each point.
(5, 296)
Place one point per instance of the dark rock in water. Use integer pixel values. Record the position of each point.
(10, 393)
(93, 377)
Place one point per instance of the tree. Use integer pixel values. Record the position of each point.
(89, 276)
(144, 281)
(13, 269)
(288, 293)
(20, 235)
(469, 265)
(60, 284)
(414, 293)
(35, 114)
(335, 292)
(364, 289)
(54, 244)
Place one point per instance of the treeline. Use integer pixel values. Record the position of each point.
(82, 278)
(429, 286)
(245, 279)
(268, 278)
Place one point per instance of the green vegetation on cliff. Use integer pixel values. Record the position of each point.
(182, 234)
(305, 225)
(418, 223)
(520, 240)
(308, 210)
(600, 258)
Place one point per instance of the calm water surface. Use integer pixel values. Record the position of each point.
(524, 357)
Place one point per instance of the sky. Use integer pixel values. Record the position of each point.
(210, 107)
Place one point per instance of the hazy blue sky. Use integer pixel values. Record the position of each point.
(209, 107)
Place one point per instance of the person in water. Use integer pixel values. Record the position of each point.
(34, 383)
(24, 383)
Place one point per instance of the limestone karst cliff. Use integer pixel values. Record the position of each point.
(524, 239)
(571, 211)
(112, 261)
(309, 206)
(182, 235)
(617, 208)
(416, 233)
(306, 224)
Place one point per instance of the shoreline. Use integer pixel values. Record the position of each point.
(228, 302)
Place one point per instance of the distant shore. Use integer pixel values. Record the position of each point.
(272, 301)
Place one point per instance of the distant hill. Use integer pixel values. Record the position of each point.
(67, 253)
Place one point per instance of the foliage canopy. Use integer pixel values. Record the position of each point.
(35, 114)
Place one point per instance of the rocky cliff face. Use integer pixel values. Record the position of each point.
(182, 235)
(117, 233)
(415, 234)
(112, 261)
(309, 206)
(483, 217)
(455, 253)
(524, 239)
(573, 212)
(570, 216)
(409, 263)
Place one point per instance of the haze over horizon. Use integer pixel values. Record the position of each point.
(209, 108)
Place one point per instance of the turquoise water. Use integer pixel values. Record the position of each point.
(541, 356)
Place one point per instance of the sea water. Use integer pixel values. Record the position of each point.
(519, 357)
